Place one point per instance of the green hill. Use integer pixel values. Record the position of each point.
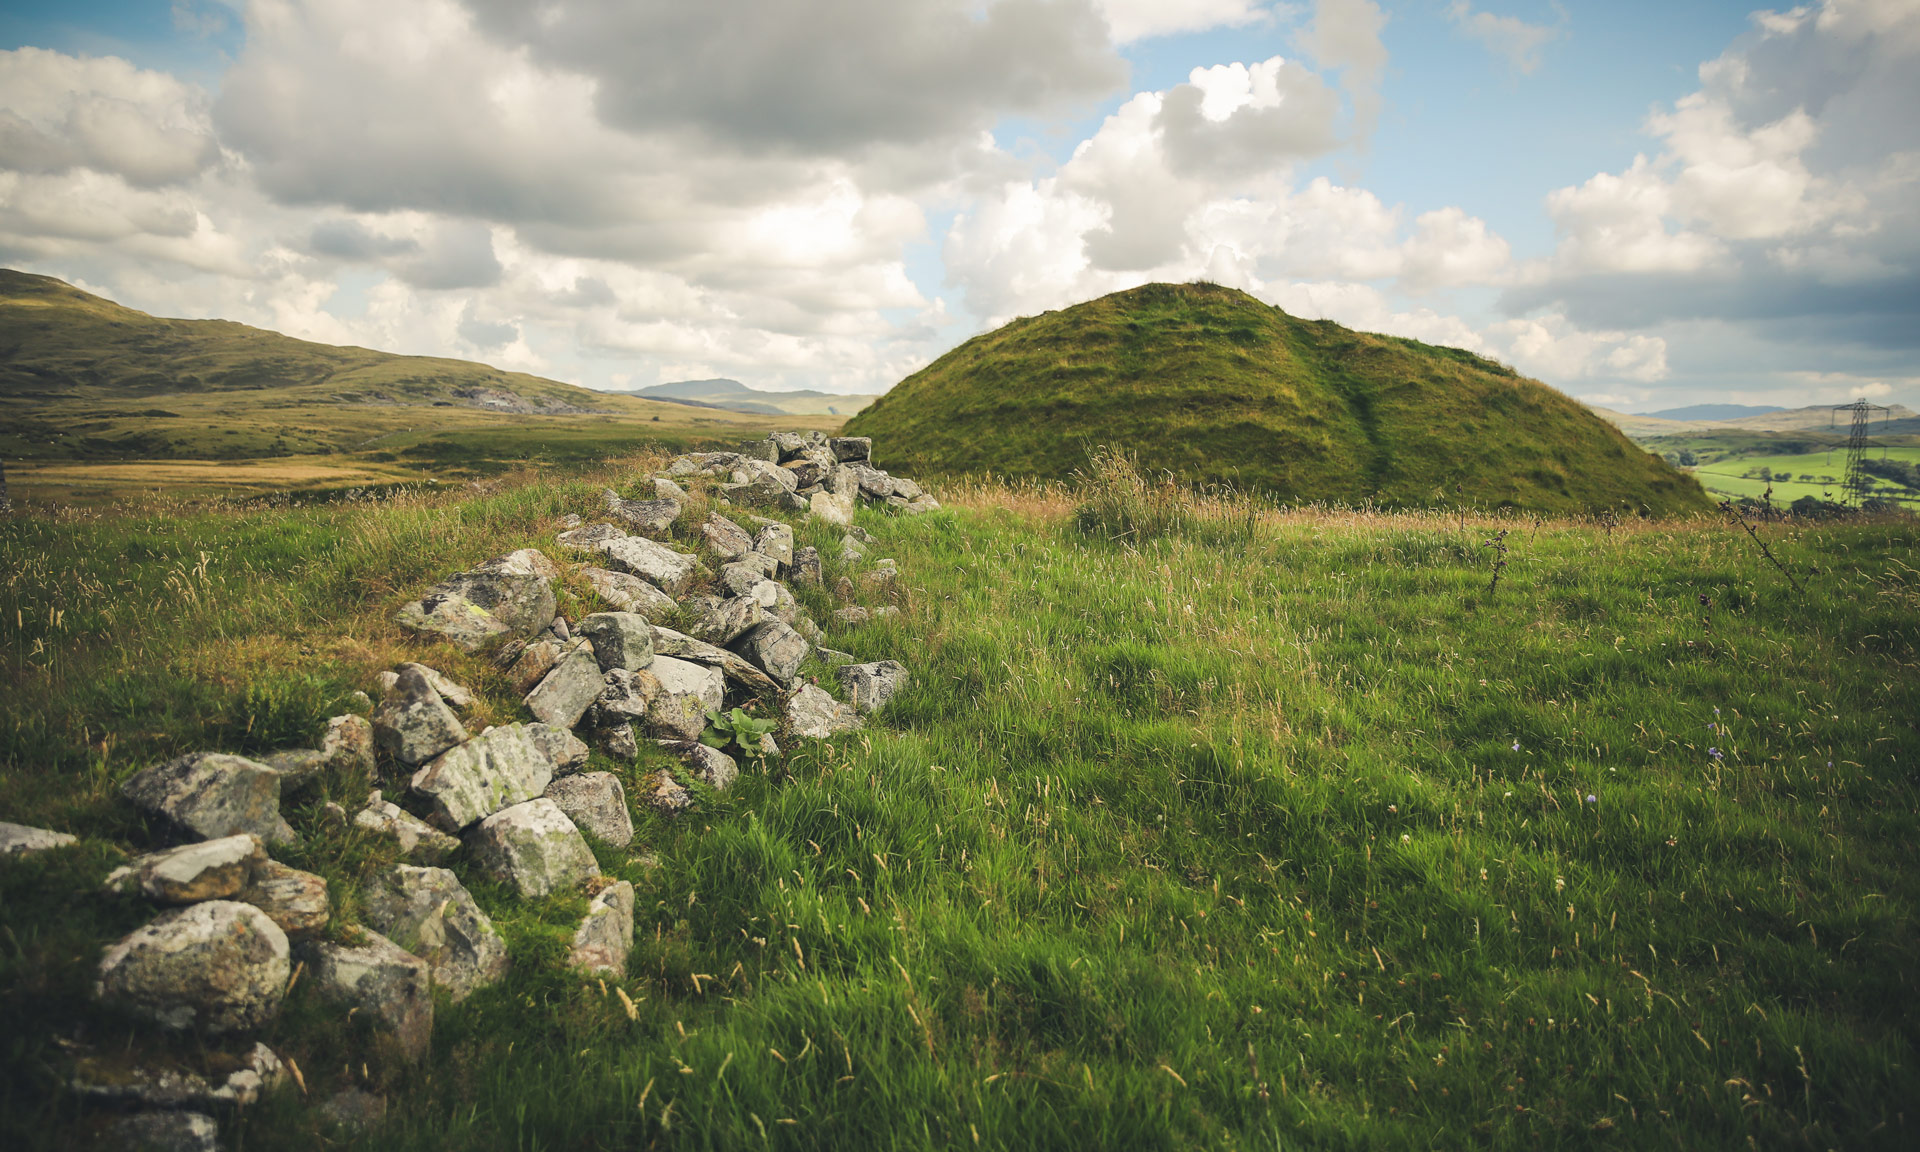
(1214, 386)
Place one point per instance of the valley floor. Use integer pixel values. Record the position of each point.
(1225, 827)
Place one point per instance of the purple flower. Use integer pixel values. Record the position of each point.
(1592, 799)
(1715, 753)
(1516, 745)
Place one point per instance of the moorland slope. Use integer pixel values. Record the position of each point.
(1214, 386)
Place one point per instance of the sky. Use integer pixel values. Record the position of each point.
(1643, 205)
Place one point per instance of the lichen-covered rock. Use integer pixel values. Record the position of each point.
(347, 747)
(775, 541)
(205, 795)
(534, 847)
(617, 742)
(418, 840)
(685, 677)
(353, 1110)
(532, 663)
(21, 840)
(849, 449)
(567, 751)
(804, 569)
(597, 805)
(430, 913)
(665, 489)
(110, 1082)
(295, 900)
(413, 724)
(620, 640)
(652, 517)
(500, 767)
(625, 697)
(510, 597)
(589, 535)
(676, 716)
(664, 568)
(722, 621)
(728, 540)
(774, 648)
(708, 764)
(868, 687)
(218, 966)
(834, 508)
(851, 615)
(813, 713)
(733, 666)
(209, 870)
(568, 689)
(666, 795)
(381, 984)
(629, 593)
(605, 937)
(162, 1131)
(746, 573)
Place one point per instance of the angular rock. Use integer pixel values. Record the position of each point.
(380, 984)
(652, 517)
(676, 716)
(590, 535)
(559, 629)
(752, 569)
(849, 449)
(21, 840)
(295, 900)
(881, 579)
(852, 549)
(708, 764)
(874, 484)
(720, 622)
(629, 593)
(205, 795)
(776, 541)
(804, 570)
(353, 1110)
(667, 642)
(218, 966)
(500, 767)
(506, 598)
(620, 640)
(728, 540)
(534, 847)
(605, 937)
(784, 608)
(765, 450)
(533, 663)
(885, 612)
(109, 1082)
(209, 870)
(923, 503)
(455, 695)
(597, 805)
(418, 840)
(906, 489)
(774, 648)
(664, 568)
(834, 508)
(430, 913)
(346, 747)
(413, 724)
(564, 694)
(567, 751)
(685, 678)
(813, 713)
(868, 687)
(163, 1132)
(617, 742)
(665, 489)
(666, 795)
(806, 473)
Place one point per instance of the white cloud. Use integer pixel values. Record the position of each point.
(1345, 34)
(1132, 20)
(1552, 348)
(1507, 36)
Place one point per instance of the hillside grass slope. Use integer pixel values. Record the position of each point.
(1213, 386)
(1251, 829)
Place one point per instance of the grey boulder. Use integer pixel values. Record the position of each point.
(708, 764)
(567, 751)
(774, 648)
(620, 640)
(813, 713)
(413, 724)
(629, 593)
(500, 767)
(21, 840)
(534, 847)
(679, 646)
(428, 912)
(205, 795)
(868, 687)
(776, 541)
(650, 516)
(569, 687)
(664, 568)
(510, 597)
(597, 805)
(417, 839)
(722, 621)
(381, 984)
(208, 870)
(295, 900)
(589, 535)
(605, 937)
(162, 1131)
(218, 966)
(804, 570)
(728, 540)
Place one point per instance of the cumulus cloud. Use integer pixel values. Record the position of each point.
(1786, 192)
(1345, 35)
(1510, 37)
(60, 112)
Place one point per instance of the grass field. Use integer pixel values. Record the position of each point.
(1199, 826)
(1816, 474)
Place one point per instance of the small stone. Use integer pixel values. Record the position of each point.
(775, 649)
(620, 639)
(804, 570)
(666, 795)
(813, 713)
(664, 568)
(453, 694)
(567, 751)
(868, 687)
(843, 589)
(923, 504)
(500, 767)
(413, 724)
(775, 541)
(629, 593)
(295, 900)
(353, 1110)
(560, 629)
(21, 840)
(728, 540)
(534, 847)
(708, 764)
(164, 1132)
(381, 984)
(880, 580)
(684, 677)
(652, 517)
(617, 742)
(906, 489)
(597, 804)
(209, 870)
(886, 612)
(605, 937)
(765, 450)
(747, 573)
(723, 621)
(590, 535)
(833, 508)
(570, 520)
(206, 795)
(431, 914)
(665, 489)
(564, 694)
(219, 966)
(525, 562)
(848, 617)
(348, 744)
(418, 840)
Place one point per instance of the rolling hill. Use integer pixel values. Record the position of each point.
(733, 396)
(1214, 386)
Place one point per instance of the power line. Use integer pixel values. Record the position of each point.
(1858, 486)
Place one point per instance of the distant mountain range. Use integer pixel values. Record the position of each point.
(1814, 418)
(733, 396)
(1712, 412)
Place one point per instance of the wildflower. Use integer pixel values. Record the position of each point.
(1715, 753)
(1516, 745)
(1592, 799)
(1406, 838)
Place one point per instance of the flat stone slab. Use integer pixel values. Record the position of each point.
(774, 648)
(567, 751)
(605, 937)
(22, 840)
(667, 642)
(534, 847)
(510, 597)
(384, 986)
(430, 913)
(208, 870)
(565, 693)
(629, 593)
(206, 795)
(664, 568)
(295, 900)
(653, 517)
(500, 767)
(418, 840)
(728, 540)
(686, 678)
(217, 966)
(110, 1082)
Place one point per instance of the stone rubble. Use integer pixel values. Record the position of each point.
(382, 985)
(428, 912)
(216, 966)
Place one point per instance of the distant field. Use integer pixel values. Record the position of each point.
(1826, 469)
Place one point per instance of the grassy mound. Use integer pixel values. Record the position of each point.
(1216, 387)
